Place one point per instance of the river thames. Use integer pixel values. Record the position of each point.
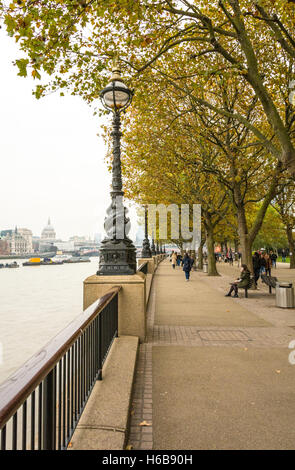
(35, 304)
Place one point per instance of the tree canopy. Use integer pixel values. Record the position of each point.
(213, 116)
(72, 42)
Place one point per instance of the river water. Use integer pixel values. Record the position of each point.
(35, 304)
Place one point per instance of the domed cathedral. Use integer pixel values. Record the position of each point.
(48, 233)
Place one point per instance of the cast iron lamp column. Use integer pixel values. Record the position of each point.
(157, 249)
(153, 248)
(117, 252)
(146, 250)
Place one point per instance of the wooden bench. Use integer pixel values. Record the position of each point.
(270, 281)
(250, 284)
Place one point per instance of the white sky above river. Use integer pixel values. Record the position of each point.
(52, 161)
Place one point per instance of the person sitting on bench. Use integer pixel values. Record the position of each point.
(243, 281)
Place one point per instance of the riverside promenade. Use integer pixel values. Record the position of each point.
(214, 372)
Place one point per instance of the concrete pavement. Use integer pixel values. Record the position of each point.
(214, 373)
(196, 302)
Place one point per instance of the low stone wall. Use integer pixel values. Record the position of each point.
(151, 268)
(105, 419)
(132, 298)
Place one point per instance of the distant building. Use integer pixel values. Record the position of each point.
(28, 236)
(18, 244)
(77, 239)
(83, 242)
(4, 247)
(47, 248)
(6, 233)
(36, 243)
(48, 233)
(64, 246)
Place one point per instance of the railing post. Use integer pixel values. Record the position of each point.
(99, 377)
(49, 412)
(116, 302)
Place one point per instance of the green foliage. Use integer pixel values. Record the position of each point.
(211, 120)
(22, 66)
(272, 233)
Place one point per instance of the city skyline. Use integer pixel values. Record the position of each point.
(38, 235)
(53, 162)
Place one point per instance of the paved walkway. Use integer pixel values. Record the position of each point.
(214, 372)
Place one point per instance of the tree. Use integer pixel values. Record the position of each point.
(202, 141)
(272, 232)
(285, 206)
(71, 41)
(160, 164)
(179, 51)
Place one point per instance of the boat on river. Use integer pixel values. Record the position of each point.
(41, 262)
(77, 259)
(9, 265)
(62, 258)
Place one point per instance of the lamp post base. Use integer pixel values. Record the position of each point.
(117, 258)
(146, 251)
(131, 300)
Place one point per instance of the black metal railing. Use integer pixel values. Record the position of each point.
(143, 268)
(41, 404)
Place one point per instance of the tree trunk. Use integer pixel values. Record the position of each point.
(291, 242)
(245, 243)
(246, 250)
(200, 254)
(246, 238)
(212, 270)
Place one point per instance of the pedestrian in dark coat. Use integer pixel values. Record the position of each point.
(267, 264)
(187, 263)
(273, 257)
(263, 264)
(230, 258)
(256, 266)
(243, 281)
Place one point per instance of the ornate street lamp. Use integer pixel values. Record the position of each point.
(117, 252)
(146, 250)
(157, 249)
(153, 248)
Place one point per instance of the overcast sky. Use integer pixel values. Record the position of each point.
(52, 161)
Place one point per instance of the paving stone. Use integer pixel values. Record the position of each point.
(272, 332)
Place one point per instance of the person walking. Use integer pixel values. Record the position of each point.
(273, 257)
(262, 264)
(230, 258)
(256, 266)
(243, 281)
(283, 256)
(187, 263)
(173, 259)
(268, 264)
